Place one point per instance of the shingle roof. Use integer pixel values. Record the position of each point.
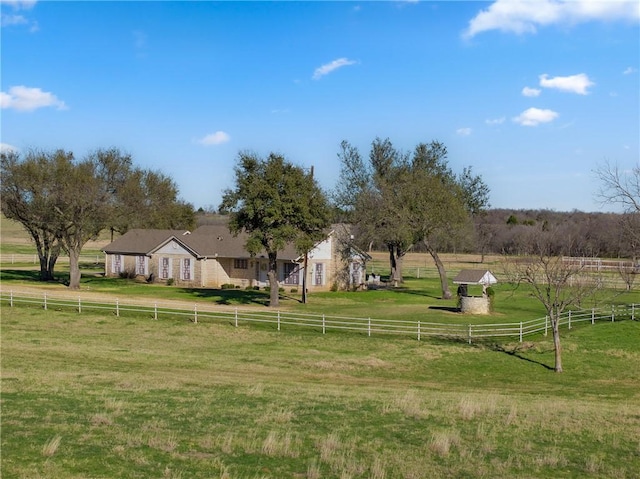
(206, 241)
(141, 241)
(475, 276)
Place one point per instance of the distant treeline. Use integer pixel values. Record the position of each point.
(609, 235)
(497, 231)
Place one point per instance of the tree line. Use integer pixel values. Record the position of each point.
(64, 202)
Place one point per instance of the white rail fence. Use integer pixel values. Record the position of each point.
(321, 322)
(21, 258)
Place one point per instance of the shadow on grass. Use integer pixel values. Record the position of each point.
(516, 354)
(451, 309)
(25, 275)
(229, 297)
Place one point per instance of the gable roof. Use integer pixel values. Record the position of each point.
(207, 241)
(142, 241)
(475, 276)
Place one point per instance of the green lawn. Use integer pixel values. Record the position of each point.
(92, 395)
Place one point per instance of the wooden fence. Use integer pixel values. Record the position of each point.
(320, 322)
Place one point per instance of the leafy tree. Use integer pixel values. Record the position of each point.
(63, 203)
(275, 203)
(401, 199)
(29, 193)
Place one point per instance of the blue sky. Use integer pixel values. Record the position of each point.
(534, 96)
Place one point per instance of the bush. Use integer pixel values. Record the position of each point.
(170, 282)
(334, 287)
(228, 286)
(294, 290)
(128, 274)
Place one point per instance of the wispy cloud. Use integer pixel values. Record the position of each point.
(217, 138)
(629, 71)
(574, 83)
(522, 17)
(535, 116)
(23, 98)
(16, 19)
(527, 91)
(495, 121)
(463, 131)
(331, 66)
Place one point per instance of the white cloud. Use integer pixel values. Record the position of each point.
(526, 16)
(629, 71)
(463, 131)
(329, 67)
(8, 19)
(23, 98)
(573, 83)
(535, 116)
(526, 91)
(495, 121)
(217, 138)
(6, 148)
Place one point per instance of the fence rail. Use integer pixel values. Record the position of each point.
(322, 322)
(21, 258)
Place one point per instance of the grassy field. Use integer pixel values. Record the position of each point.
(98, 396)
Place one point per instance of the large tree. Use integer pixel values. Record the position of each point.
(276, 203)
(402, 199)
(63, 203)
(29, 194)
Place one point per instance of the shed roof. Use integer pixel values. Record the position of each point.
(475, 276)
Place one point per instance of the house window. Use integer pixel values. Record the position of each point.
(141, 265)
(116, 265)
(186, 269)
(318, 278)
(241, 264)
(165, 268)
(291, 273)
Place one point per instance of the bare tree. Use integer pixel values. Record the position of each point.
(554, 281)
(619, 186)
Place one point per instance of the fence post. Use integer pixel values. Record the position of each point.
(11, 298)
(569, 319)
(593, 315)
(155, 311)
(546, 324)
(469, 334)
(278, 320)
(79, 305)
(418, 330)
(236, 316)
(613, 314)
(195, 313)
(633, 312)
(520, 331)
(45, 301)
(369, 329)
(117, 308)
(324, 329)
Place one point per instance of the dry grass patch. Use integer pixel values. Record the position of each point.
(442, 442)
(51, 446)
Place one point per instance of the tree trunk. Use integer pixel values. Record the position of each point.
(557, 348)
(272, 274)
(304, 278)
(74, 268)
(399, 278)
(392, 261)
(444, 282)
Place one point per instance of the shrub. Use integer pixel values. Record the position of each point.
(128, 274)
(170, 282)
(294, 290)
(334, 287)
(228, 286)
